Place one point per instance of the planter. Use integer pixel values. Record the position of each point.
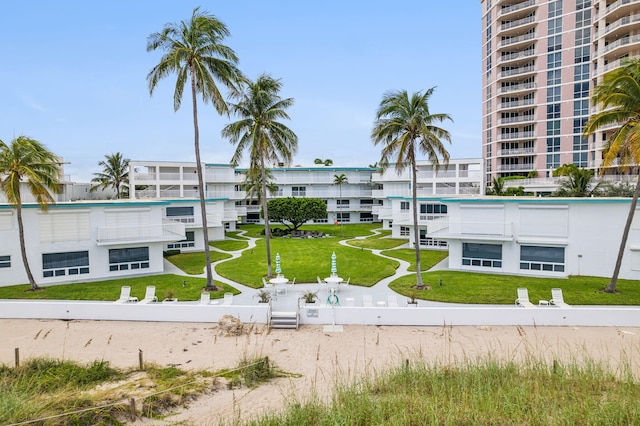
(312, 309)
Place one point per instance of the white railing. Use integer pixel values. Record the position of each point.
(516, 55)
(515, 7)
(506, 167)
(622, 42)
(620, 22)
(514, 104)
(519, 22)
(516, 151)
(182, 219)
(517, 71)
(516, 135)
(518, 119)
(167, 231)
(501, 229)
(619, 3)
(517, 88)
(519, 39)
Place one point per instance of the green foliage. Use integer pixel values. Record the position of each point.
(469, 287)
(615, 189)
(294, 212)
(114, 174)
(576, 182)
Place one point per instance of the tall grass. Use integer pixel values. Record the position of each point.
(485, 391)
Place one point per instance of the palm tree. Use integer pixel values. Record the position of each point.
(404, 126)
(252, 184)
(576, 182)
(618, 95)
(27, 160)
(193, 49)
(497, 187)
(115, 174)
(260, 107)
(339, 180)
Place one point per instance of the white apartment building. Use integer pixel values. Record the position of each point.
(88, 241)
(553, 237)
(350, 202)
(541, 60)
(393, 197)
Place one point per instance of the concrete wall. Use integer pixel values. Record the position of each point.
(327, 315)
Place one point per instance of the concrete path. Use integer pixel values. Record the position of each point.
(351, 294)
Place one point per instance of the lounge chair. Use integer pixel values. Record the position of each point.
(392, 301)
(523, 298)
(150, 295)
(367, 300)
(205, 298)
(125, 295)
(228, 299)
(557, 299)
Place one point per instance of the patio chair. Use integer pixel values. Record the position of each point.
(125, 295)
(392, 301)
(267, 285)
(228, 299)
(367, 300)
(523, 298)
(205, 298)
(150, 295)
(290, 285)
(557, 298)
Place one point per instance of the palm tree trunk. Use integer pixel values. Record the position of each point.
(416, 231)
(203, 208)
(265, 212)
(611, 288)
(341, 217)
(23, 250)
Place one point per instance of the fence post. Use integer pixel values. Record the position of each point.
(140, 361)
(132, 409)
(17, 357)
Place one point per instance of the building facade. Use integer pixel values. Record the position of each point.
(553, 237)
(88, 241)
(541, 60)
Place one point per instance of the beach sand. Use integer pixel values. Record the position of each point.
(320, 358)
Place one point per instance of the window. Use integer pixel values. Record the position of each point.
(404, 205)
(583, 18)
(553, 111)
(580, 143)
(299, 191)
(554, 60)
(483, 255)
(189, 241)
(581, 72)
(553, 144)
(581, 107)
(128, 258)
(342, 204)
(343, 217)
(69, 263)
(555, 8)
(5, 261)
(554, 77)
(179, 211)
(405, 231)
(553, 94)
(555, 43)
(538, 258)
(555, 26)
(366, 217)
(553, 127)
(582, 54)
(583, 36)
(581, 90)
(433, 208)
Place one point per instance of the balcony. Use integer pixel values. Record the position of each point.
(518, 23)
(518, 119)
(502, 231)
(511, 41)
(516, 55)
(165, 232)
(614, 6)
(516, 104)
(622, 42)
(517, 71)
(516, 151)
(626, 20)
(506, 10)
(514, 167)
(516, 135)
(517, 88)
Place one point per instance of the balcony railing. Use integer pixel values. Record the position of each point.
(516, 151)
(516, 104)
(622, 21)
(517, 71)
(167, 231)
(619, 3)
(517, 88)
(622, 42)
(516, 55)
(518, 119)
(516, 135)
(516, 7)
(519, 39)
(510, 167)
(519, 22)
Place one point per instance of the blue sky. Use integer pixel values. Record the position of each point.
(74, 74)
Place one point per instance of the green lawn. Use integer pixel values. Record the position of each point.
(193, 263)
(428, 258)
(468, 287)
(229, 245)
(110, 289)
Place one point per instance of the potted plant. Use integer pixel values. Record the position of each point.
(170, 296)
(264, 296)
(310, 297)
(412, 301)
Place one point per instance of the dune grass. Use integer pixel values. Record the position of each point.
(479, 392)
(110, 289)
(474, 287)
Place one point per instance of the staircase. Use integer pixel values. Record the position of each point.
(284, 319)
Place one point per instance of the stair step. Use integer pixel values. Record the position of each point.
(284, 320)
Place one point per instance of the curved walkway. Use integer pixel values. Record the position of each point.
(379, 292)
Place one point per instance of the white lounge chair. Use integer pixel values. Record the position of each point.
(125, 295)
(228, 299)
(150, 295)
(523, 298)
(367, 300)
(205, 298)
(392, 301)
(557, 298)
